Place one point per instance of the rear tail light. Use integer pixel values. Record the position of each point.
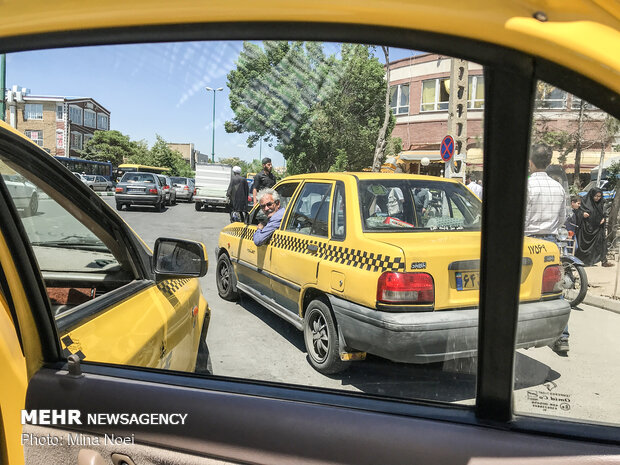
(186, 188)
(166, 186)
(194, 191)
(405, 288)
(152, 191)
(119, 189)
(552, 279)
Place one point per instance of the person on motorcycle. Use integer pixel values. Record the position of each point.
(545, 210)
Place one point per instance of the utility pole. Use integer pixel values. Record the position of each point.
(213, 142)
(457, 117)
(2, 86)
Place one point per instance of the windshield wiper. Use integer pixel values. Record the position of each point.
(74, 242)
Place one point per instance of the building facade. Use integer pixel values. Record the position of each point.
(59, 125)
(186, 150)
(420, 95)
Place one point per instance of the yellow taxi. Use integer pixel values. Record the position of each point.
(379, 263)
(80, 265)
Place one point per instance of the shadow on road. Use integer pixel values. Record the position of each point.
(449, 381)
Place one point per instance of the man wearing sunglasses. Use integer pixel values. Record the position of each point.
(269, 201)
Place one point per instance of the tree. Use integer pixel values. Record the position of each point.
(112, 146)
(162, 155)
(235, 161)
(381, 139)
(321, 112)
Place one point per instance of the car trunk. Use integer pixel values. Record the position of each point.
(453, 260)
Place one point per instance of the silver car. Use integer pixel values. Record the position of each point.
(97, 182)
(184, 188)
(23, 192)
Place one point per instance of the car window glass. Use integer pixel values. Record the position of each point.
(138, 177)
(339, 230)
(78, 263)
(286, 191)
(311, 211)
(571, 227)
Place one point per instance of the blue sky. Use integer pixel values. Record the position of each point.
(151, 88)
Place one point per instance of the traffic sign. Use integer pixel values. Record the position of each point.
(447, 148)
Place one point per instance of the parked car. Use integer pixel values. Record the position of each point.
(81, 177)
(23, 192)
(396, 273)
(185, 188)
(137, 188)
(172, 193)
(98, 183)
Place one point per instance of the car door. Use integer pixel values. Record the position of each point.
(97, 284)
(254, 267)
(242, 420)
(297, 247)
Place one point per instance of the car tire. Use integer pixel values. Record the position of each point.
(33, 205)
(225, 279)
(203, 357)
(119, 206)
(321, 339)
(108, 189)
(159, 206)
(198, 206)
(174, 202)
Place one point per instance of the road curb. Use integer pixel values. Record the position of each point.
(605, 303)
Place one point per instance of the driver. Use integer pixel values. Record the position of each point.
(269, 201)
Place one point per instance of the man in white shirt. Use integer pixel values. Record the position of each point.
(545, 211)
(474, 186)
(546, 202)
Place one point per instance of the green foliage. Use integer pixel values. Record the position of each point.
(112, 146)
(613, 173)
(162, 155)
(321, 112)
(394, 146)
(234, 161)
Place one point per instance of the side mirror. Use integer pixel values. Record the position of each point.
(179, 258)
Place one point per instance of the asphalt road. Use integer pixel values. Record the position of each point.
(248, 341)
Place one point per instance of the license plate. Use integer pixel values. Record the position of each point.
(468, 280)
(135, 190)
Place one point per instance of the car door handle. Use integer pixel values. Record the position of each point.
(313, 248)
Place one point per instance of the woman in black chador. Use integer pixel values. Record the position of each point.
(591, 234)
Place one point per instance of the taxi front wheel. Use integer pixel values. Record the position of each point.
(225, 278)
(321, 338)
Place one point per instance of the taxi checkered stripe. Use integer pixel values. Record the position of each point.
(69, 347)
(241, 232)
(343, 255)
(170, 286)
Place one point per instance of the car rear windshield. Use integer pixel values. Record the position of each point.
(179, 180)
(414, 205)
(138, 177)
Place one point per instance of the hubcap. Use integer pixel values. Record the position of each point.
(320, 337)
(224, 276)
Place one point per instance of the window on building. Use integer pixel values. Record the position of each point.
(90, 119)
(102, 121)
(60, 112)
(76, 140)
(576, 104)
(476, 92)
(399, 99)
(548, 96)
(33, 111)
(36, 137)
(87, 137)
(60, 139)
(435, 94)
(75, 114)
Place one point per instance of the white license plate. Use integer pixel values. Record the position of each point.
(467, 280)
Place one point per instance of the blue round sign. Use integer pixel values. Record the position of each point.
(447, 148)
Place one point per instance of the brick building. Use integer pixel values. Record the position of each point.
(60, 125)
(420, 87)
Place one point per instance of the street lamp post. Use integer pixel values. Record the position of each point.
(213, 142)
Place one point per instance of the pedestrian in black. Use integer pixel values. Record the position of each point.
(591, 233)
(238, 195)
(263, 180)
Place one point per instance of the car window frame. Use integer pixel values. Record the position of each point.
(504, 115)
(339, 186)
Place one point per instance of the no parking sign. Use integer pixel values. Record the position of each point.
(447, 148)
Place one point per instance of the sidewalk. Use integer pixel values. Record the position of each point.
(601, 285)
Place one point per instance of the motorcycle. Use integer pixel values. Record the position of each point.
(575, 281)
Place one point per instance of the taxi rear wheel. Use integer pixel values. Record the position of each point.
(225, 278)
(321, 338)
